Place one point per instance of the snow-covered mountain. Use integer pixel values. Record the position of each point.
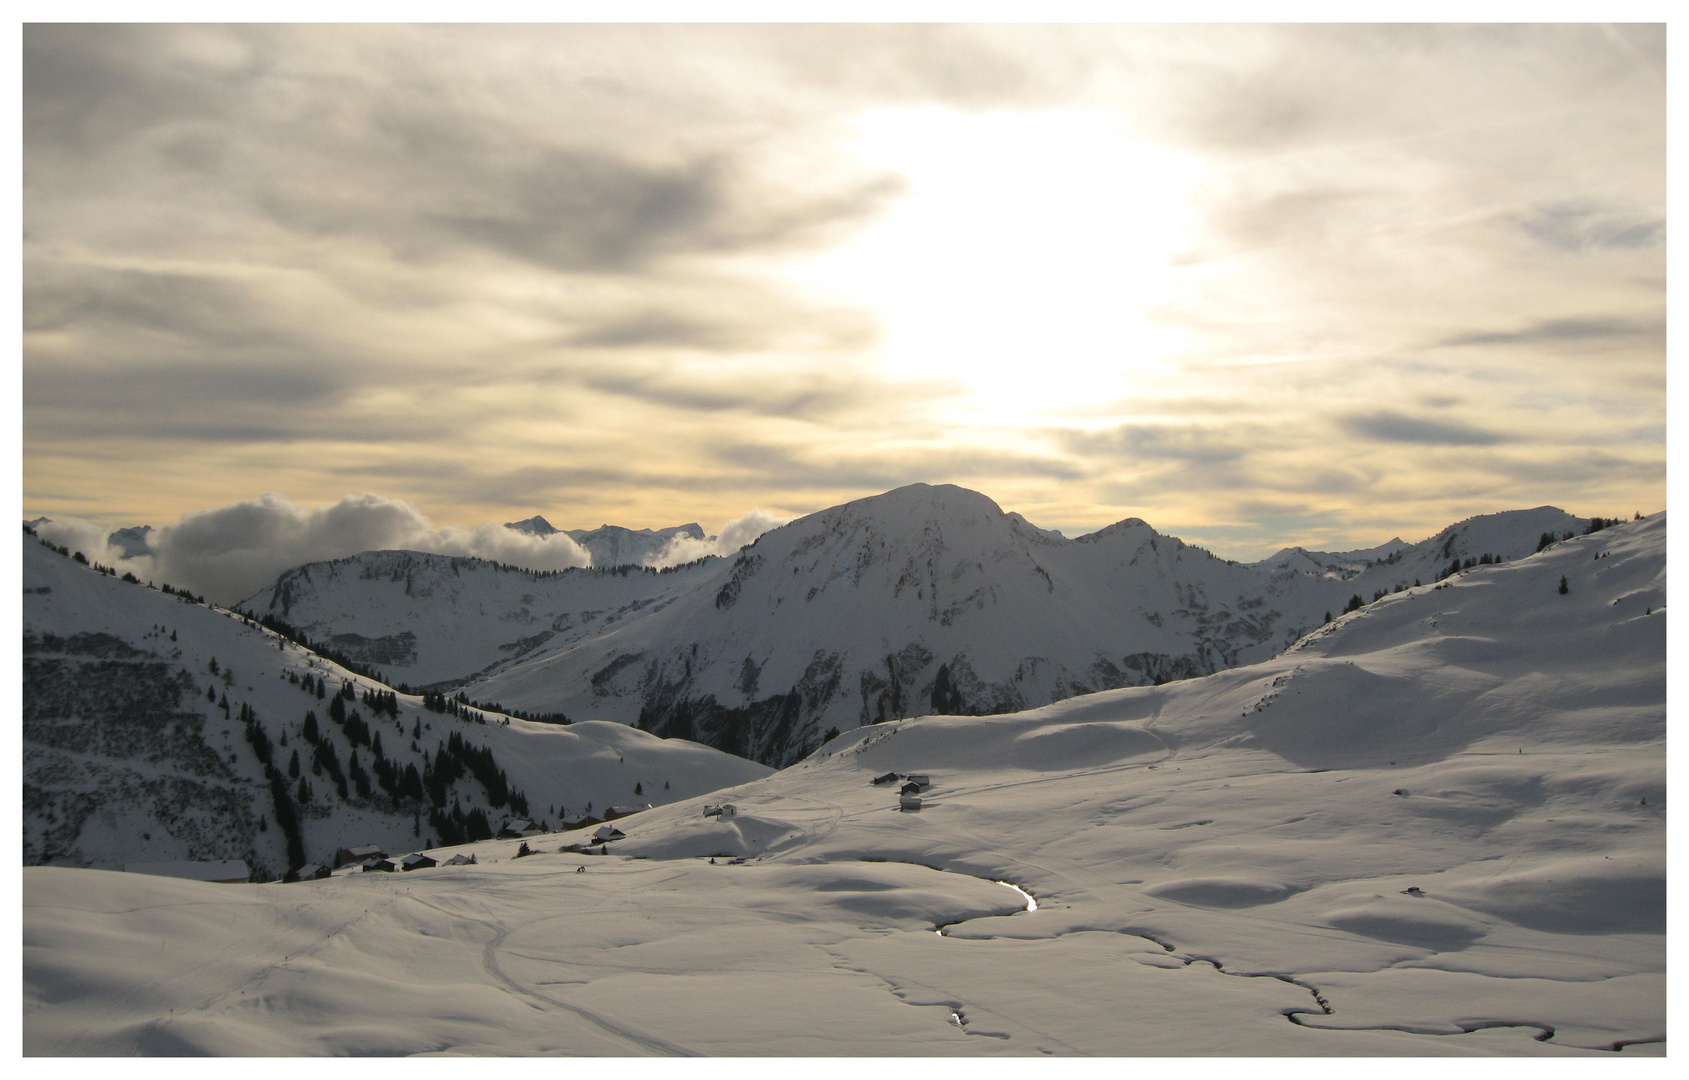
(133, 541)
(534, 526)
(1434, 827)
(428, 620)
(924, 599)
(1340, 565)
(137, 746)
(613, 545)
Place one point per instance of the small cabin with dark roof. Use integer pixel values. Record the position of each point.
(349, 855)
(310, 872)
(615, 812)
(888, 778)
(517, 827)
(910, 789)
(417, 861)
(570, 822)
(920, 778)
(377, 866)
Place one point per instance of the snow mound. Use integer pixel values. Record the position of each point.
(1223, 892)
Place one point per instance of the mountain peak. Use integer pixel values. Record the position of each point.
(534, 526)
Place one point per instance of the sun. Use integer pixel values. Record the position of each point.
(1025, 259)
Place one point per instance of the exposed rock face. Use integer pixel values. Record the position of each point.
(111, 730)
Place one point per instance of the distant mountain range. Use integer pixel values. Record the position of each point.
(612, 545)
(921, 600)
(1434, 826)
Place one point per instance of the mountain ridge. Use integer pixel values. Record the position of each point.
(155, 728)
(927, 597)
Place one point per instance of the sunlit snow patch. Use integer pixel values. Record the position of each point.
(1031, 901)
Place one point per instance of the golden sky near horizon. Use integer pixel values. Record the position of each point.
(1316, 285)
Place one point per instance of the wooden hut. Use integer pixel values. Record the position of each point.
(349, 855)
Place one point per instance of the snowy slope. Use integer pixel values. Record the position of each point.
(1338, 564)
(426, 619)
(921, 599)
(1435, 827)
(127, 760)
(932, 599)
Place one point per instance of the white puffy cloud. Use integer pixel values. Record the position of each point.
(88, 537)
(734, 535)
(230, 552)
(492, 541)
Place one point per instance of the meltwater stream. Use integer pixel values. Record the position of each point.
(1031, 905)
(1031, 901)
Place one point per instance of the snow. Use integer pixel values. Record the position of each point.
(225, 870)
(125, 760)
(1435, 827)
(923, 599)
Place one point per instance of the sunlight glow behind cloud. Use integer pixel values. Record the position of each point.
(1025, 259)
(1258, 285)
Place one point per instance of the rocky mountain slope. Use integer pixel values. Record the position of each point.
(924, 599)
(156, 728)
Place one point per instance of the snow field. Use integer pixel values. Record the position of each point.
(1436, 827)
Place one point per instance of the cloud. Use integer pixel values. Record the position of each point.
(1596, 329)
(734, 535)
(1578, 227)
(1388, 426)
(88, 537)
(231, 552)
(581, 269)
(1185, 443)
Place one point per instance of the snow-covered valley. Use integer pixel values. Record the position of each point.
(1434, 826)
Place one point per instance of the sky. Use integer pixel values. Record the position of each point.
(1257, 285)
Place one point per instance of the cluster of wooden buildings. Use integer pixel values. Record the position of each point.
(909, 795)
(370, 858)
